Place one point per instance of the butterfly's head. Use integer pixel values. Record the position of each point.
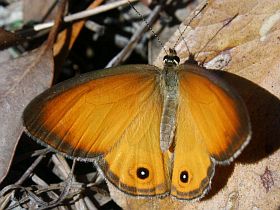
(171, 59)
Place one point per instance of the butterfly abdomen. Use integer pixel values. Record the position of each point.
(170, 104)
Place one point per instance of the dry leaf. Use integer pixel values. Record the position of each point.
(249, 47)
(20, 81)
(43, 10)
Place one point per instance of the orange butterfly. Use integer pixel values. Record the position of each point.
(150, 131)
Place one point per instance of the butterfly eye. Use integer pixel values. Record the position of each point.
(177, 59)
(184, 176)
(142, 173)
(174, 60)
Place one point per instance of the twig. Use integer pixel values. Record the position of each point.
(29, 154)
(77, 188)
(124, 54)
(42, 183)
(30, 169)
(83, 14)
(56, 23)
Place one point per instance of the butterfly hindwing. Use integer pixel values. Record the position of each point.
(192, 167)
(136, 164)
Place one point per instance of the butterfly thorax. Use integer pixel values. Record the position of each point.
(170, 92)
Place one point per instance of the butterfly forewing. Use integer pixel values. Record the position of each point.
(218, 111)
(84, 117)
(212, 125)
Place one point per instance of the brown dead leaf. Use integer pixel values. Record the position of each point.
(20, 81)
(44, 10)
(8, 39)
(247, 51)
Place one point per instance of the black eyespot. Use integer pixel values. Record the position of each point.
(184, 176)
(142, 173)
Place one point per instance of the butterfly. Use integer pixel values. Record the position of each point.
(150, 131)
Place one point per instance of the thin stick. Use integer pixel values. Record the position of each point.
(30, 170)
(83, 14)
(135, 38)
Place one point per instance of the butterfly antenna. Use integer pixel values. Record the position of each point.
(148, 25)
(182, 33)
(227, 23)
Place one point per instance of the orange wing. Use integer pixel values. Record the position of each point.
(85, 117)
(212, 126)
